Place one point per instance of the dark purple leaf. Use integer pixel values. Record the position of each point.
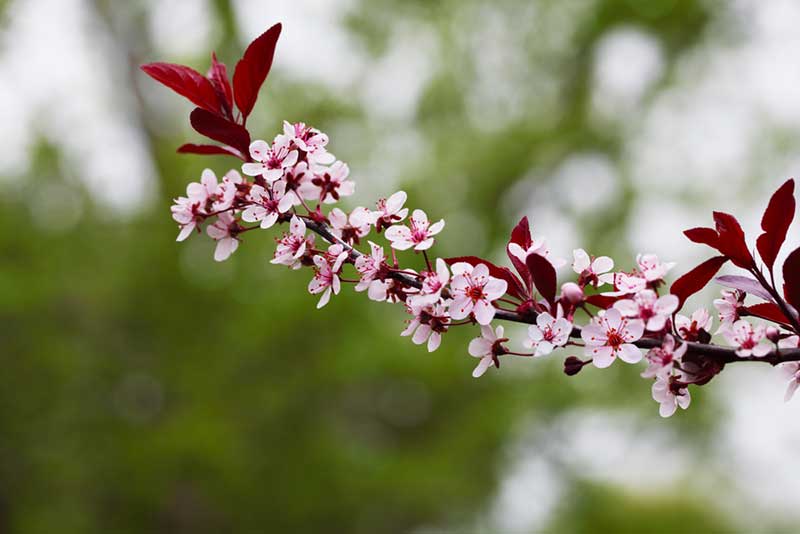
(521, 235)
(186, 82)
(696, 279)
(544, 276)
(791, 278)
(220, 129)
(253, 68)
(769, 311)
(775, 223)
(704, 236)
(731, 240)
(604, 301)
(218, 76)
(211, 150)
(744, 283)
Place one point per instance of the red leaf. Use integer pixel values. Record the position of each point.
(212, 150)
(769, 311)
(791, 279)
(218, 76)
(696, 279)
(775, 223)
(731, 240)
(220, 129)
(252, 69)
(603, 301)
(745, 284)
(544, 276)
(515, 286)
(704, 236)
(521, 235)
(186, 82)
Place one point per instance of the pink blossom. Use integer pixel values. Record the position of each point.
(610, 335)
(593, 271)
(750, 340)
(225, 193)
(651, 268)
(419, 234)
(791, 342)
(664, 393)
(298, 184)
(572, 293)
(626, 284)
(309, 140)
(538, 246)
(271, 162)
(292, 246)
(432, 284)
(690, 328)
(650, 308)
(188, 214)
(548, 333)
(728, 307)
(791, 370)
(380, 291)
(208, 194)
(661, 360)
(224, 231)
(487, 347)
(473, 291)
(331, 183)
(268, 205)
(429, 323)
(326, 276)
(390, 211)
(350, 229)
(370, 266)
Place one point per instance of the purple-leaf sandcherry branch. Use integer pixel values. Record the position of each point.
(631, 316)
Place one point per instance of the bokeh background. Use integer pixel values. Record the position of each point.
(146, 388)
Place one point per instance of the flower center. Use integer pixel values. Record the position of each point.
(476, 293)
(614, 338)
(748, 343)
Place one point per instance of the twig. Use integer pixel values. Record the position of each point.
(717, 353)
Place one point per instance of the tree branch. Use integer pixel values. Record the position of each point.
(717, 353)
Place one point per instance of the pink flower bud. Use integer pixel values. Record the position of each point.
(773, 334)
(572, 293)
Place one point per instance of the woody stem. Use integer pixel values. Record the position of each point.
(717, 353)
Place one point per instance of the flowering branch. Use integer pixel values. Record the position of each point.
(294, 180)
(721, 354)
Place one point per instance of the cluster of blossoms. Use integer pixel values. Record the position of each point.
(295, 176)
(604, 314)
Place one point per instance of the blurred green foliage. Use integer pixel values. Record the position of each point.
(148, 389)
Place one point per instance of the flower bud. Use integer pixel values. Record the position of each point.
(573, 365)
(572, 293)
(773, 334)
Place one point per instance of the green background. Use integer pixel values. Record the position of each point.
(146, 388)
